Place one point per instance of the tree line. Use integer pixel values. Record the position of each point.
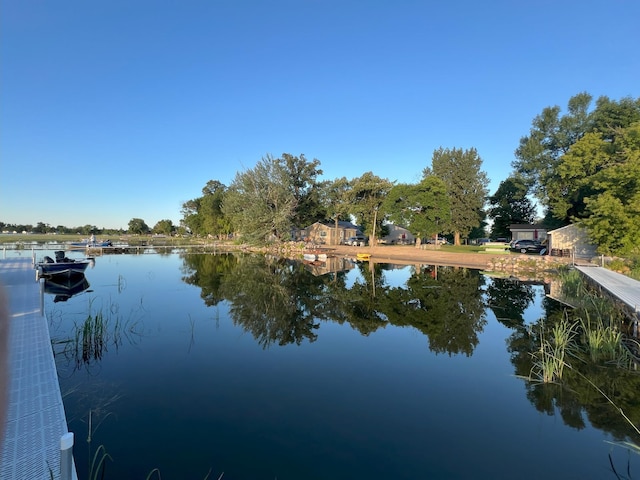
(579, 166)
(137, 226)
(280, 196)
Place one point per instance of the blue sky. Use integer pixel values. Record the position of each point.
(118, 109)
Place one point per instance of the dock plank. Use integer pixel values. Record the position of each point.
(624, 288)
(35, 418)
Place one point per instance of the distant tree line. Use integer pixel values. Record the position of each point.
(580, 166)
(137, 226)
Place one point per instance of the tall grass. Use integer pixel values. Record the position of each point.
(594, 335)
(90, 337)
(602, 342)
(550, 360)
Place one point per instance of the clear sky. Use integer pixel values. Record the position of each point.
(115, 109)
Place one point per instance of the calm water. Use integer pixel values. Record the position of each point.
(266, 369)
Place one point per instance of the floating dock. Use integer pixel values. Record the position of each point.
(36, 422)
(621, 287)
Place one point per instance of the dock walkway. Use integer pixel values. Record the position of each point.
(35, 419)
(625, 289)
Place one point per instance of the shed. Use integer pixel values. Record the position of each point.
(570, 240)
(528, 232)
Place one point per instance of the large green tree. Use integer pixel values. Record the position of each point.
(164, 227)
(422, 208)
(612, 212)
(266, 202)
(203, 215)
(552, 136)
(137, 226)
(510, 205)
(336, 199)
(466, 182)
(302, 175)
(367, 194)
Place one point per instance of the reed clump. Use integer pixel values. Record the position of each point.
(602, 342)
(90, 338)
(551, 359)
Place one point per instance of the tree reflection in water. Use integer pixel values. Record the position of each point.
(279, 302)
(576, 399)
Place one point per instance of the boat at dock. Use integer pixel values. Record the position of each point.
(62, 266)
(91, 244)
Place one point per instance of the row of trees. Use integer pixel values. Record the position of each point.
(137, 226)
(585, 166)
(580, 166)
(280, 195)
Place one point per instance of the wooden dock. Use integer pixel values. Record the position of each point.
(621, 287)
(36, 419)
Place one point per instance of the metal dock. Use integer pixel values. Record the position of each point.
(625, 289)
(36, 422)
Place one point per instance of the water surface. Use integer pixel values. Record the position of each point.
(263, 368)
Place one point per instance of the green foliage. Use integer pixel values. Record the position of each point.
(466, 183)
(164, 227)
(203, 215)
(549, 138)
(265, 203)
(586, 165)
(367, 195)
(609, 115)
(335, 197)
(614, 226)
(422, 208)
(510, 205)
(571, 158)
(573, 179)
(138, 227)
(302, 176)
(614, 209)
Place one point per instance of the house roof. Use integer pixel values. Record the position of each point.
(571, 225)
(341, 224)
(527, 226)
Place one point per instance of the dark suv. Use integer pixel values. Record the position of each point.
(358, 240)
(528, 246)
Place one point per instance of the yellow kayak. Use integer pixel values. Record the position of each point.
(363, 256)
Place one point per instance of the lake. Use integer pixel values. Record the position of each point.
(264, 368)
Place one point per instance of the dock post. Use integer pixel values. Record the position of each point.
(66, 456)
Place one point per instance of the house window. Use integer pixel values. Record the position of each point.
(323, 233)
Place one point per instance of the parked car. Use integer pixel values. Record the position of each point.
(528, 246)
(357, 240)
(438, 241)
